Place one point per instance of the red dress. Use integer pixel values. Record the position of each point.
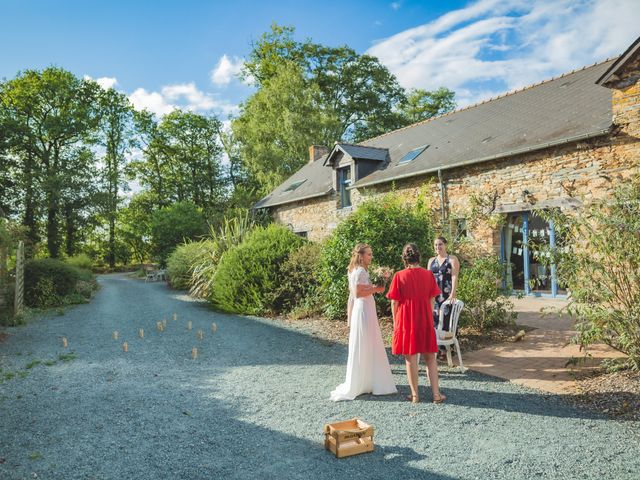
(413, 331)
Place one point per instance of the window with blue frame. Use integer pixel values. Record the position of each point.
(344, 181)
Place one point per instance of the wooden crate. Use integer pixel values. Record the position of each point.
(347, 438)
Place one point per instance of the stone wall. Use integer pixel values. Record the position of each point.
(569, 175)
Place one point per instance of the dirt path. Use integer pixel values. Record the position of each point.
(253, 404)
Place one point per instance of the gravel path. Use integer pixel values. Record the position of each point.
(253, 404)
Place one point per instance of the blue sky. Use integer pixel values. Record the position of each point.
(167, 54)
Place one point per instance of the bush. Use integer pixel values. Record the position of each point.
(232, 232)
(174, 225)
(48, 282)
(248, 275)
(598, 259)
(485, 304)
(386, 225)
(80, 261)
(298, 289)
(181, 262)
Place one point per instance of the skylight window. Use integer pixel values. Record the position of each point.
(412, 155)
(294, 185)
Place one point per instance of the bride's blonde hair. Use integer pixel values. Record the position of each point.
(356, 256)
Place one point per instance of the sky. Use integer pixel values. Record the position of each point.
(186, 53)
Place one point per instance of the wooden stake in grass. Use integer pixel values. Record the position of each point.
(141, 333)
(115, 334)
(194, 353)
(125, 347)
(214, 327)
(160, 326)
(189, 325)
(65, 343)
(200, 335)
(175, 317)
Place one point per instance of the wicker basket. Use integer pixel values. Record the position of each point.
(347, 438)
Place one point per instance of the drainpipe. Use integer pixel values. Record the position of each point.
(441, 197)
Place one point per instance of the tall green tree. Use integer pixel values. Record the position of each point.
(314, 94)
(182, 160)
(117, 136)
(52, 112)
(278, 124)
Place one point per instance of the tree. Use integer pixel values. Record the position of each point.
(422, 105)
(116, 135)
(353, 97)
(356, 89)
(278, 124)
(173, 225)
(182, 160)
(51, 112)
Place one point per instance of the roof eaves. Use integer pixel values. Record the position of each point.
(511, 153)
(622, 59)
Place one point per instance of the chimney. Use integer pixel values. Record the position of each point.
(317, 151)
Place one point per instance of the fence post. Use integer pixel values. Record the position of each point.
(19, 300)
(4, 294)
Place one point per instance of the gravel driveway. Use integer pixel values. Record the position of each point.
(253, 404)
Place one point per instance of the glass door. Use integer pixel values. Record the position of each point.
(526, 238)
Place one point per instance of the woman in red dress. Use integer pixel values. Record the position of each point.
(412, 294)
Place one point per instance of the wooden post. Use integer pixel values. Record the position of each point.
(19, 299)
(4, 294)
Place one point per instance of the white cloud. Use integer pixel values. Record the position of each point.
(226, 70)
(104, 82)
(493, 46)
(182, 95)
(395, 5)
(152, 101)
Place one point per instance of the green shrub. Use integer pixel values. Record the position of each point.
(48, 282)
(248, 275)
(486, 305)
(387, 225)
(598, 259)
(181, 262)
(80, 261)
(232, 232)
(298, 289)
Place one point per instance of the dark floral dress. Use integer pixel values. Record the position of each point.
(444, 281)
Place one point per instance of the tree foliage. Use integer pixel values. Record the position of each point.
(49, 113)
(314, 94)
(278, 124)
(597, 255)
(173, 225)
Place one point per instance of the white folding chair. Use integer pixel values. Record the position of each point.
(447, 338)
(151, 276)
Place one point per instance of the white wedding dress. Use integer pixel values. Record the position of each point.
(368, 369)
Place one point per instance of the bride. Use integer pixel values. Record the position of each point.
(368, 369)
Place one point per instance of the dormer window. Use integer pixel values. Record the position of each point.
(344, 181)
(412, 155)
(351, 163)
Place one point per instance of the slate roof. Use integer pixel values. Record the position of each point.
(317, 183)
(557, 111)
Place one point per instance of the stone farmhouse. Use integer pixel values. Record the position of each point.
(561, 143)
